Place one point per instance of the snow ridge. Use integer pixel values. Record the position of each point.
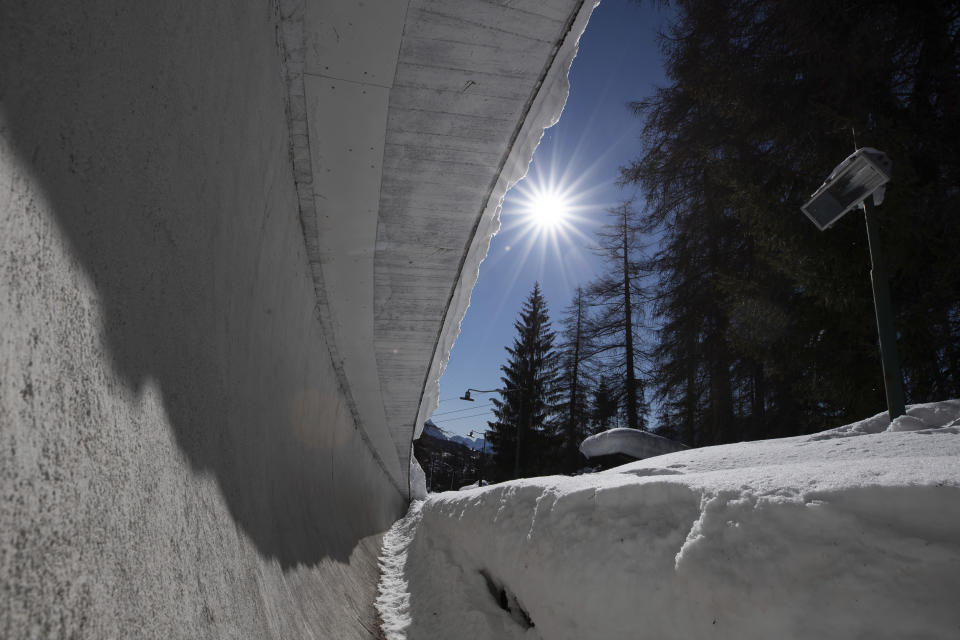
(393, 597)
(853, 532)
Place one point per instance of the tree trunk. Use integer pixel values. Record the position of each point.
(633, 418)
(571, 451)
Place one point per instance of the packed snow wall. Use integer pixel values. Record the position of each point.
(208, 380)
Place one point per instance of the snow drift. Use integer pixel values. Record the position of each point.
(632, 442)
(853, 532)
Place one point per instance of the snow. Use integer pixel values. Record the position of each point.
(418, 479)
(853, 532)
(632, 442)
(394, 595)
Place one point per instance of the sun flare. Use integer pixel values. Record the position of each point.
(547, 218)
(548, 210)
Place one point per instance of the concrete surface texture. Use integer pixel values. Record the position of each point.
(177, 459)
(416, 117)
(209, 375)
(531, 43)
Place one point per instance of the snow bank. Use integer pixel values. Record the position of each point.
(854, 532)
(475, 485)
(418, 479)
(631, 442)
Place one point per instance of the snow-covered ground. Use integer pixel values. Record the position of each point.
(849, 533)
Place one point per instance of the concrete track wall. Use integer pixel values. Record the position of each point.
(176, 459)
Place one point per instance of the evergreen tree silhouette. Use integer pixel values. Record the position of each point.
(522, 436)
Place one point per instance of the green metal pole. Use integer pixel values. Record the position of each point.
(483, 452)
(892, 377)
(516, 463)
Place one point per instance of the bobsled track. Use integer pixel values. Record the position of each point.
(236, 242)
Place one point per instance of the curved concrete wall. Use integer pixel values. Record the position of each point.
(176, 458)
(234, 253)
(410, 120)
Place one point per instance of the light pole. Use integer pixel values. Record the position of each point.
(863, 174)
(466, 396)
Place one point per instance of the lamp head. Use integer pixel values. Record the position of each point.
(864, 173)
(466, 396)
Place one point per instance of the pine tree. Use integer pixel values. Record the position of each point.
(603, 406)
(766, 324)
(522, 436)
(618, 296)
(572, 412)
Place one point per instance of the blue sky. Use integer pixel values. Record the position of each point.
(618, 61)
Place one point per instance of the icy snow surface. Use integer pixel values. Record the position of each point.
(849, 533)
(632, 442)
(418, 479)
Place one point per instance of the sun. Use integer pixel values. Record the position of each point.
(548, 209)
(546, 220)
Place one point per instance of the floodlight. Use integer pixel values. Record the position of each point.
(865, 172)
(862, 174)
(466, 396)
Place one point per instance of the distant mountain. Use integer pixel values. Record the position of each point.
(432, 430)
(448, 461)
(471, 443)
